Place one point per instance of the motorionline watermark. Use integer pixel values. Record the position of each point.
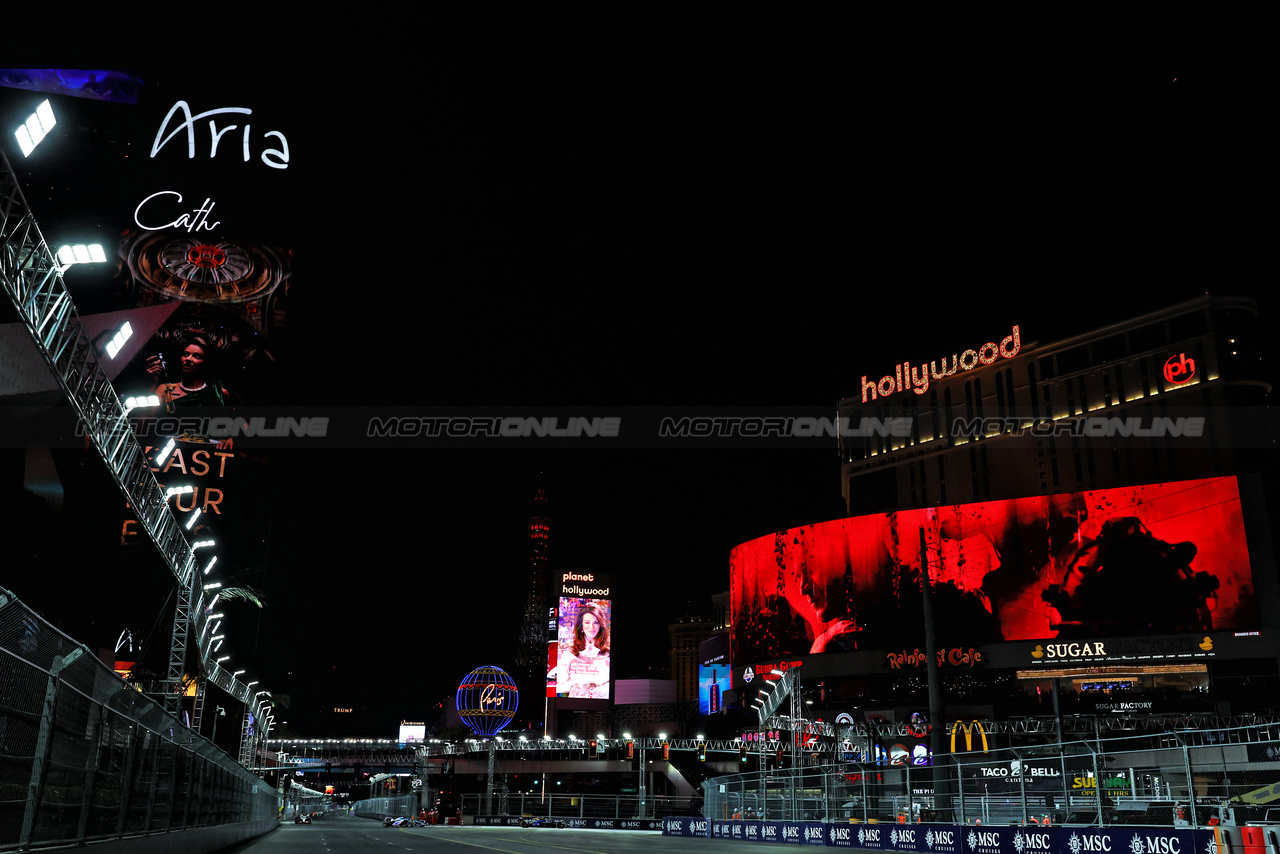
(474, 427)
(223, 427)
(760, 427)
(1089, 426)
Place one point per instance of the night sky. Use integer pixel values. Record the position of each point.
(625, 213)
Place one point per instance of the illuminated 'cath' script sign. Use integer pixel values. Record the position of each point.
(276, 158)
(905, 377)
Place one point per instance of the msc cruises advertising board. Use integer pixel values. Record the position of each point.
(1156, 559)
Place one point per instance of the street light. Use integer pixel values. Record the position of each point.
(222, 713)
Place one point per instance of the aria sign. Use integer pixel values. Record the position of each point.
(276, 158)
(917, 379)
(199, 218)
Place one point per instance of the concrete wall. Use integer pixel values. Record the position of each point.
(201, 840)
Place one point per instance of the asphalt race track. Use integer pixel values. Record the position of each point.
(350, 835)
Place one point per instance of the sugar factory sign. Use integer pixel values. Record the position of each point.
(905, 377)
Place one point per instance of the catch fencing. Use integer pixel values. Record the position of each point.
(533, 805)
(85, 756)
(400, 805)
(1172, 778)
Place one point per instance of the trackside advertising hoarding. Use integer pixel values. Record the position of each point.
(574, 822)
(951, 838)
(1139, 561)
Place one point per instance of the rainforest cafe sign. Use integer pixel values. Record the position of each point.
(955, 657)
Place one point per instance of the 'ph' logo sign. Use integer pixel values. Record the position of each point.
(1179, 369)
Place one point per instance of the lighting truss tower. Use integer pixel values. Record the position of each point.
(31, 278)
(531, 654)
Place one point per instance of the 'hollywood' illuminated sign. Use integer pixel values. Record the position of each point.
(917, 379)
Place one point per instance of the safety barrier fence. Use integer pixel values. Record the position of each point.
(1173, 778)
(407, 805)
(576, 810)
(84, 756)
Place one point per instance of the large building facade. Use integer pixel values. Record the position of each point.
(1007, 418)
(1091, 512)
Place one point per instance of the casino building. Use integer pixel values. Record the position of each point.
(1092, 512)
(1199, 359)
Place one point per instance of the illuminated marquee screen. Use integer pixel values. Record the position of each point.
(714, 678)
(412, 732)
(578, 663)
(1141, 560)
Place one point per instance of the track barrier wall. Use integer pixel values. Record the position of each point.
(956, 839)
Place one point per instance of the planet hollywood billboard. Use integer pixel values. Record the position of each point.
(580, 640)
(1165, 560)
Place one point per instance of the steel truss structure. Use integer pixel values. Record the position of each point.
(32, 279)
(377, 752)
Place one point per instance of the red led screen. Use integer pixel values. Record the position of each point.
(1139, 560)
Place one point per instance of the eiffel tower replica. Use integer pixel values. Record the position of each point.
(531, 654)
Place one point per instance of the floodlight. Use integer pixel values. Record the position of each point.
(133, 403)
(212, 560)
(214, 586)
(224, 658)
(237, 673)
(165, 452)
(201, 544)
(117, 341)
(36, 127)
(81, 253)
(195, 514)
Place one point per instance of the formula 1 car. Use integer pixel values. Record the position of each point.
(541, 821)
